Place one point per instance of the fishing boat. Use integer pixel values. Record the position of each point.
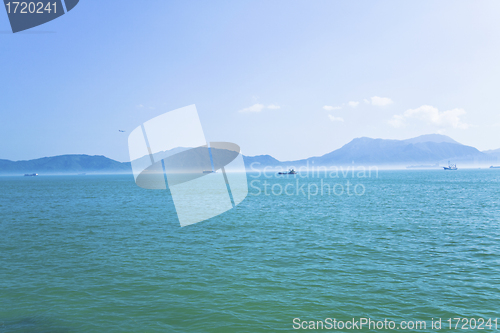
(450, 166)
(289, 172)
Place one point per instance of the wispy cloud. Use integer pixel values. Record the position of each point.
(432, 116)
(141, 106)
(397, 121)
(259, 107)
(333, 118)
(381, 101)
(375, 100)
(254, 108)
(331, 108)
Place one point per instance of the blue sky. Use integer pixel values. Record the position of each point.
(275, 77)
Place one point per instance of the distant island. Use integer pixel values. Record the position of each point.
(69, 164)
(426, 151)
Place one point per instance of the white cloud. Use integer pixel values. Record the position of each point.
(333, 118)
(141, 106)
(375, 100)
(381, 101)
(331, 108)
(432, 116)
(397, 121)
(254, 108)
(259, 107)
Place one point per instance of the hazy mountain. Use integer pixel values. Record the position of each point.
(495, 152)
(426, 149)
(437, 138)
(260, 161)
(65, 164)
(423, 150)
(395, 152)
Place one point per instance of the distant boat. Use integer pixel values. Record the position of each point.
(450, 166)
(494, 167)
(289, 172)
(209, 171)
(30, 174)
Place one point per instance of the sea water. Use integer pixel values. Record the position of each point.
(99, 254)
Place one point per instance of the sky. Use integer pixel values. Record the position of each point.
(292, 79)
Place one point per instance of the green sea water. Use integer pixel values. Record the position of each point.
(99, 254)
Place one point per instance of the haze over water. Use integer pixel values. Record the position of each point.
(99, 254)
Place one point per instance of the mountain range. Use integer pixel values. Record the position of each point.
(431, 150)
(426, 150)
(65, 164)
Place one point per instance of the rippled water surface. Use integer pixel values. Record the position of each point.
(99, 254)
